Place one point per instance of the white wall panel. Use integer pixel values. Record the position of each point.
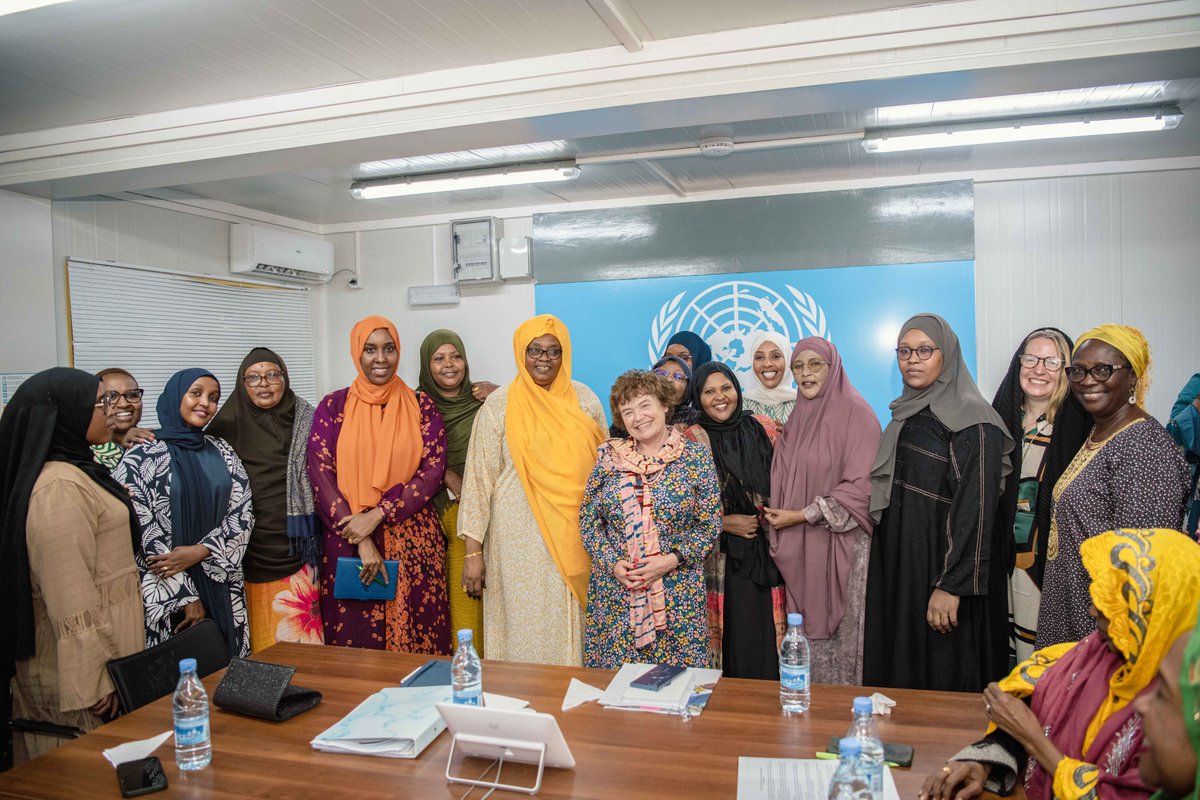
(26, 284)
(1078, 252)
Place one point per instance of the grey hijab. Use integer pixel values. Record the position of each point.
(953, 398)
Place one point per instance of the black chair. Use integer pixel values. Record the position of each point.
(144, 677)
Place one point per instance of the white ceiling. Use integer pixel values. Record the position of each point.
(142, 96)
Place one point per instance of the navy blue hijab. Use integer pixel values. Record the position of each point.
(200, 491)
(701, 352)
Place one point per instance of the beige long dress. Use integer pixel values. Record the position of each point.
(86, 604)
(529, 614)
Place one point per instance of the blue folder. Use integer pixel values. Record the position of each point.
(434, 672)
(347, 586)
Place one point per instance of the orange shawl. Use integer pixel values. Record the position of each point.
(553, 445)
(380, 443)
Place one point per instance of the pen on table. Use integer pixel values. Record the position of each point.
(824, 756)
(414, 672)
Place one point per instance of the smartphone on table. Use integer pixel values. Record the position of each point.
(141, 777)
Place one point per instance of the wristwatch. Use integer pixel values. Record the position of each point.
(678, 555)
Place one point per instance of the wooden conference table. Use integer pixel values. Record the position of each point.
(618, 754)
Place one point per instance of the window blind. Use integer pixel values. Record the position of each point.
(153, 323)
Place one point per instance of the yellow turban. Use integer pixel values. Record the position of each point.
(1131, 344)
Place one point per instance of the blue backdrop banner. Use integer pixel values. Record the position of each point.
(625, 324)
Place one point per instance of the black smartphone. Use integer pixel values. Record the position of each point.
(657, 678)
(899, 754)
(141, 777)
(177, 618)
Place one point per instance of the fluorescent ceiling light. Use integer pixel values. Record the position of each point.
(1013, 105)
(1022, 130)
(17, 6)
(479, 158)
(457, 181)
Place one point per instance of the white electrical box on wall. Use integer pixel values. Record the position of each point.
(473, 247)
(516, 258)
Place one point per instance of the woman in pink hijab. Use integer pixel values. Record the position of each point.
(820, 509)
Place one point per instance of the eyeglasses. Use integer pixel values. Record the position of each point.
(552, 353)
(1053, 363)
(1100, 372)
(678, 376)
(254, 379)
(924, 352)
(812, 365)
(112, 396)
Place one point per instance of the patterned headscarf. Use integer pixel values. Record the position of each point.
(1189, 691)
(1131, 344)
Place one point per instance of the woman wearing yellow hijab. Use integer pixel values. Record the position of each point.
(1066, 721)
(376, 458)
(1127, 474)
(532, 447)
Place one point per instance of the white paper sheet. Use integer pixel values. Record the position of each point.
(579, 693)
(794, 779)
(132, 751)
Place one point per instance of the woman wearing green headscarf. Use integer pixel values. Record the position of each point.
(1171, 719)
(446, 377)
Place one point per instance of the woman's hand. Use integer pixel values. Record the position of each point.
(742, 525)
(372, 562)
(651, 568)
(453, 482)
(356, 527)
(621, 572)
(942, 614)
(1017, 719)
(106, 707)
(969, 775)
(193, 612)
(138, 436)
(474, 570)
(177, 560)
(781, 518)
(481, 389)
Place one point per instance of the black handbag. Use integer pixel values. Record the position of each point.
(144, 677)
(263, 690)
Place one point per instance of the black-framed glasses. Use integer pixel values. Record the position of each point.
(924, 352)
(552, 353)
(812, 365)
(678, 376)
(1030, 361)
(1101, 372)
(254, 379)
(112, 396)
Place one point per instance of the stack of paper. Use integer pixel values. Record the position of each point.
(397, 723)
(684, 695)
(794, 779)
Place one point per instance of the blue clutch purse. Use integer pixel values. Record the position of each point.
(347, 586)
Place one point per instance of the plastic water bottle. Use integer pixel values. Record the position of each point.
(193, 742)
(848, 782)
(466, 671)
(863, 729)
(795, 659)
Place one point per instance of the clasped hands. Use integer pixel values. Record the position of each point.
(640, 574)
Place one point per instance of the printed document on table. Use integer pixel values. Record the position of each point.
(794, 779)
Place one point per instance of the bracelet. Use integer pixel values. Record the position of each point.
(472, 555)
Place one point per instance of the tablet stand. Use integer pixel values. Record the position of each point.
(486, 746)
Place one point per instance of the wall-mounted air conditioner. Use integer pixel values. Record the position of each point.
(279, 256)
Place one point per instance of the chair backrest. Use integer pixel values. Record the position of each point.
(146, 676)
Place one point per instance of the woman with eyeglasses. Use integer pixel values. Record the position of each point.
(937, 584)
(769, 387)
(268, 424)
(820, 518)
(68, 582)
(679, 374)
(532, 447)
(1039, 410)
(1127, 474)
(192, 498)
(123, 399)
(690, 349)
(376, 458)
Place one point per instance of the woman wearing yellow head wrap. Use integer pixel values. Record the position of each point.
(1127, 474)
(532, 447)
(1066, 720)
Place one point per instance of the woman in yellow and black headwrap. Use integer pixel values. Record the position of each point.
(532, 447)
(1066, 721)
(1127, 474)
(1171, 717)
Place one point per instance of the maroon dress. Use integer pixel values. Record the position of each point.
(418, 620)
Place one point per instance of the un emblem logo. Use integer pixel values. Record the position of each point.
(726, 315)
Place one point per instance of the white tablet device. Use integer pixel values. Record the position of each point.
(489, 732)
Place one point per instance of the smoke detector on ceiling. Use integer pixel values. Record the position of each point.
(716, 147)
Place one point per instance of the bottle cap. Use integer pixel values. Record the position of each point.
(862, 705)
(795, 619)
(187, 665)
(849, 747)
(466, 635)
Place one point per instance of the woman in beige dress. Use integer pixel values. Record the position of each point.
(532, 447)
(68, 583)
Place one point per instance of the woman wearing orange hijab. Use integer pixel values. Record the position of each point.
(532, 447)
(376, 457)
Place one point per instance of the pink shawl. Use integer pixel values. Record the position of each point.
(826, 450)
